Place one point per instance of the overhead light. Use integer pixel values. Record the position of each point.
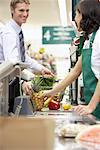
(63, 12)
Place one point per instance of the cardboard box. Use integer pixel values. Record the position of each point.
(21, 133)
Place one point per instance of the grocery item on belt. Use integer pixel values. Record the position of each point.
(54, 105)
(71, 130)
(90, 134)
(37, 100)
(39, 84)
(67, 106)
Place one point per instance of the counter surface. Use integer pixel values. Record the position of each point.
(62, 118)
(37, 131)
(71, 144)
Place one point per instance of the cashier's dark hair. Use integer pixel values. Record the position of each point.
(90, 10)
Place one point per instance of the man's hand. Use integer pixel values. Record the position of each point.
(27, 88)
(46, 71)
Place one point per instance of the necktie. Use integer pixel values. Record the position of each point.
(22, 47)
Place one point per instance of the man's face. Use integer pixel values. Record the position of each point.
(20, 13)
(78, 18)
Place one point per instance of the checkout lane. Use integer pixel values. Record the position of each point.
(61, 118)
(70, 119)
(40, 131)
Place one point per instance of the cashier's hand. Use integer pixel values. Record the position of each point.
(49, 93)
(82, 109)
(27, 88)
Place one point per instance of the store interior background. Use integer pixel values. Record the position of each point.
(50, 13)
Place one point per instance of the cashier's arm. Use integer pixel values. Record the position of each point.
(71, 76)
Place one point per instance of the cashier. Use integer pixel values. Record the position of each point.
(88, 20)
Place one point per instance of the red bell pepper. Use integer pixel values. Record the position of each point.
(54, 105)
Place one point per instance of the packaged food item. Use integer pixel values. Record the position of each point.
(90, 134)
(71, 130)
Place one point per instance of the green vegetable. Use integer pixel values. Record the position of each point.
(42, 83)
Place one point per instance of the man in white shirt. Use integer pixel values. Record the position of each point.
(9, 38)
(10, 44)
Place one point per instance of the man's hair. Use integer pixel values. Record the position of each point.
(90, 10)
(14, 2)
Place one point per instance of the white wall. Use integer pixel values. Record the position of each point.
(33, 35)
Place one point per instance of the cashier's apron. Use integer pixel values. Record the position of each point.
(89, 79)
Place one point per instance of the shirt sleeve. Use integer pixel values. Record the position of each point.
(11, 51)
(10, 46)
(32, 63)
(95, 61)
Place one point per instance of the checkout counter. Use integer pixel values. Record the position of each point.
(38, 131)
(69, 117)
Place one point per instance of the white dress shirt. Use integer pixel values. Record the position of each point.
(95, 59)
(10, 46)
(96, 55)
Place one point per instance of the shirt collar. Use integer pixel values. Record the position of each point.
(15, 26)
